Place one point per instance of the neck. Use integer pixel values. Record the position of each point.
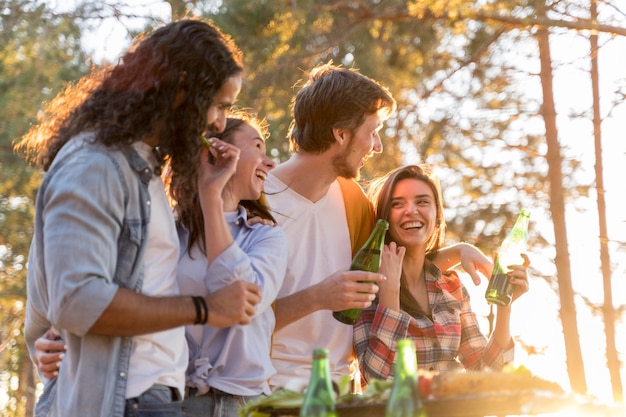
(413, 265)
(310, 175)
(230, 202)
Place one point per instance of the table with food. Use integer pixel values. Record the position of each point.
(511, 392)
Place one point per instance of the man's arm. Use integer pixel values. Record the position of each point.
(131, 313)
(340, 291)
(469, 256)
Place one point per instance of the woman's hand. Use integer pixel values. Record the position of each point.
(518, 276)
(49, 352)
(391, 267)
(213, 176)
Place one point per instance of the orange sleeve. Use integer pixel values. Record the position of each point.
(359, 212)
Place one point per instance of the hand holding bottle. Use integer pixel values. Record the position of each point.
(500, 289)
(367, 259)
(348, 289)
(518, 277)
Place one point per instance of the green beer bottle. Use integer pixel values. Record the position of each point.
(319, 400)
(366, 259)
(499, 291)
(405, 399)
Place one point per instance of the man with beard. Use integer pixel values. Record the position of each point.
(102, 266)
(337, 115)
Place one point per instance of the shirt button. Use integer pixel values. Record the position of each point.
(148, 202)
(123, 375)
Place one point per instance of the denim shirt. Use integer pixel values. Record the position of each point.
(91, 222)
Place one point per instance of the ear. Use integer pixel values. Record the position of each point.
(340, 135)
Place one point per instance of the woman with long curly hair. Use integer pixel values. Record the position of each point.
(105, 248)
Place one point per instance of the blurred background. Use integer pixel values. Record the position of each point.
(515, 103)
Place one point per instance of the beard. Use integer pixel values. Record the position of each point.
(342, 166)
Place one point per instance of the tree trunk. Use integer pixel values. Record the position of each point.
(608, 310)
(26, 389)
(574, 360)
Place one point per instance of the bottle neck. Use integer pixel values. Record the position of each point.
(320, 369)
(406, 363)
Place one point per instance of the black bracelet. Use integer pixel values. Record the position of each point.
(202, 311)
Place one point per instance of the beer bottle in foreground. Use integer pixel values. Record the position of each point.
(319, 400)
(405, 399)
(499, 291)
(366, 259)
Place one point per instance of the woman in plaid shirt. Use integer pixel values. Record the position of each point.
(418, 300)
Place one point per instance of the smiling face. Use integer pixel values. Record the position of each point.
(413, 214)
(359, 146)
(253, 165)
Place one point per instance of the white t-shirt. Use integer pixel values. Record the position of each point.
(319, 246)
(158, 357)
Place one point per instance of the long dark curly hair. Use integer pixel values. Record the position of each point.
(187, 208)
(136, 98)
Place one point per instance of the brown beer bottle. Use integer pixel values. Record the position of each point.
(366, 259)
(499, 291)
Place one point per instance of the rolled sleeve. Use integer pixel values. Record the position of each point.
(375, 336)
(259, 258)
(83, 214)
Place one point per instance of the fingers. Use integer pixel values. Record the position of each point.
(233, 304)
(222, 150)
(360, 288)
(364, 280)
(49, 352)
(49, 363)
(476, 279)
(47, 345)
(518, 276)
(474, 262)
(256, 220)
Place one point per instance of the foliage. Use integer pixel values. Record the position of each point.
(39, 54)
(458, 105)
(454, 67)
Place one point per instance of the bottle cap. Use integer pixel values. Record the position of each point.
(320, 353)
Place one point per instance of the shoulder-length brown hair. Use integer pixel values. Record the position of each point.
(381, 190)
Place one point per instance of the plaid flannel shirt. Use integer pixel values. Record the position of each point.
(451, 340)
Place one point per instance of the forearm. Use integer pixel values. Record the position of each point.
(502, 329)
(448, 257)
(294, 307)
(131, 314)
(216, 232)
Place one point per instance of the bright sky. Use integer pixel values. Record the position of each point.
(535, 316)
